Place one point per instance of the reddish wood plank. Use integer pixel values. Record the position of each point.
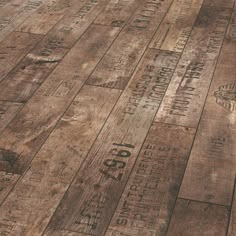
(195, 218)
(32, 125)
(56, 164)
(185, 97)
(149, 197)
(117, 66)
(174, 31)
(14, 48)
(112, 157)
(22, 82)
(212, 164)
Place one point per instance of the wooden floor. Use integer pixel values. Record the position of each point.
(117, 117)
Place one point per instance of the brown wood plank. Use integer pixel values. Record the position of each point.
(195, 218)
(185, 97)
(14, 48)
(4, 3)
(232, 224)
(117, 13)
(32, 125)
(212, 164)
(22, 82)
(8, 110)
(46, 17)
(112, 157)
(56, 164)
(177, 25)
(149, 197)
(117, 66)
(220, 3)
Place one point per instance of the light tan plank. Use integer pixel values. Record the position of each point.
(194, 218)
(117, 66)
(97, 194)
(185, 97)
(149, 197)
(32, 125)
(14, 48)
(212, 164)
(177, 25)
(22, 82)
(232, 224)
(36, 196)
(46, 17)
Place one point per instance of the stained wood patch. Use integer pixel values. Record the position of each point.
(184, 100)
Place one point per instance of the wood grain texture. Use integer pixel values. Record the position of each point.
(212, 164)
(32, 125)
(195, 218)
(14, 48)
(23, 81)
(232, 224)
(149, 197)
(177, 25)
(187, 92)
(116, 68)
(56, 164)
(220, 3)
(112, 156)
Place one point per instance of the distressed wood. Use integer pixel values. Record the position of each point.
(212, 164)
(13, 49)
(149, 197)
(112, 157)
(174, 31)
(56, 164)
(232, 224)
(32, 125)
(195, 218)
(220, 3)
(184, 100)
(24, 80)
(117, 66)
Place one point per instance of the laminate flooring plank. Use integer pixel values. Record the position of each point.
(117, 13)
(30, 128)
(46, 17)
(27, 77)
(212, 164)
(92, 198)
(30, 205)
(14, 48)
(232, 224)
(149, 197)
(195, 218)
(174, 31)
(117, 66)
(185, 97)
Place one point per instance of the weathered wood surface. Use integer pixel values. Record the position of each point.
(212, 164)
(232, 223)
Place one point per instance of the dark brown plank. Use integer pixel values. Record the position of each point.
(14, 48)
(37, 194)
(117, 66)
(177, 25)
(32, 125)
(212, 164)
(22, 82)
(97, 194)
(185, 97)
(195, 218)
(232, 224)
(149, 197)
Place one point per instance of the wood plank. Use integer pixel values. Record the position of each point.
(8, 110)
(232, 224)
(117, 66)
(14, 48)
(215, 142)
(112, 156)
(195, 218)
(46, 17)
(117, 13)
(24, 80)
(174, 31)
(56, 164)
(149, 197)
(185, 97)
(220, 3)
(4, 3)
(32, 125)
